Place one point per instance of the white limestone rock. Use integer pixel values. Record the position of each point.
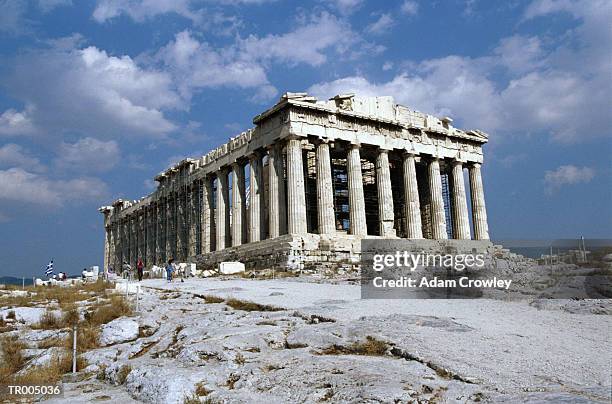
(119, 330)
(27, 315)
(230, 268)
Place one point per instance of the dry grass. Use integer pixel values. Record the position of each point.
(14, 361)
(11, 315)
(211, 299)
(62, 295)
(12, 356)
(370, 347)
(201, 390)
(48, 321)
(51, 342)
(250, 306)
(123, 373)
(103, 313)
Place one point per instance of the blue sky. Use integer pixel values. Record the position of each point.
(98, 96)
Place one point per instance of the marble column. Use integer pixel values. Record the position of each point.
(386, 217)
(357, 214)
(160, 246)
(461, 221)
(221, 208)
(325, 191)
(479, 211)
(170, 228)
(273, 191)
(412, 204)
(193, 217)
(296, 195)
(206, 216)
(438, 217)
(107, 249)
(255, 197)
(238, 204)
(152, 235)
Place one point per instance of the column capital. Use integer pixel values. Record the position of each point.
(473, 164)
(384, 149)
(254, 155)
(319, 140)
(235, 165)
(456, 162)
(355, 145)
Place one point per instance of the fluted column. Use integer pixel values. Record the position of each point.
(160, 243)
(325, 193)
(273, 191)
(193, 217)
(206, 216)
(412, 205)
(386, 217)
(479, 211)
(238, 204)
(153, 234)
(357, 214)
(461, 221)
(296, 194)
(107, 249)
(255, 197)
(438, 217)
(221, 208)
(170, 228)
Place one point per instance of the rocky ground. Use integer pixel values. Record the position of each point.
(303, 341)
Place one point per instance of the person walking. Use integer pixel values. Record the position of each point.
(140, 269)
(170, 269)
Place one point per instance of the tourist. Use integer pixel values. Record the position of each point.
(140, 269)
(169, 269)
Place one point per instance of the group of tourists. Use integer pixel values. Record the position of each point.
(170, 269)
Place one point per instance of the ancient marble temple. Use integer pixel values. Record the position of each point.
(305, 185)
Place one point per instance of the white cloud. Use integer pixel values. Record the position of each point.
(13, 122)
(195, 64)
(346, 7)
(87, 90)
(141, 10)
(18, 185)
(384, 23)
(89, 155)
(549, 91)
(520, 54)
(567, 175)
(410, 7)
(13, 155)
(306, 44)
(447, 86)
(12, 16)
(49, 5)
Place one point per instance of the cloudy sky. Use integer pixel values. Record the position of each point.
(98, 96)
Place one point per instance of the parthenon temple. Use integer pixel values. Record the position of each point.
(305, 185)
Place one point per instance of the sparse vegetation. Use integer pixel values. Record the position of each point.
(14, 362)
(10, 315)
(123, 373)
(49, 321)
(201, 390)
(245, 305)
(370, 347)
(12, 356)
(211, 299)
(51, 342)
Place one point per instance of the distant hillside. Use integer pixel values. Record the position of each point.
(11, 280)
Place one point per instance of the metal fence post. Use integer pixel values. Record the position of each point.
(74, 349)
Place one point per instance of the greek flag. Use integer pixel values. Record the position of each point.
(49, 269)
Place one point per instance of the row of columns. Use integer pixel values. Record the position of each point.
(168, 219)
